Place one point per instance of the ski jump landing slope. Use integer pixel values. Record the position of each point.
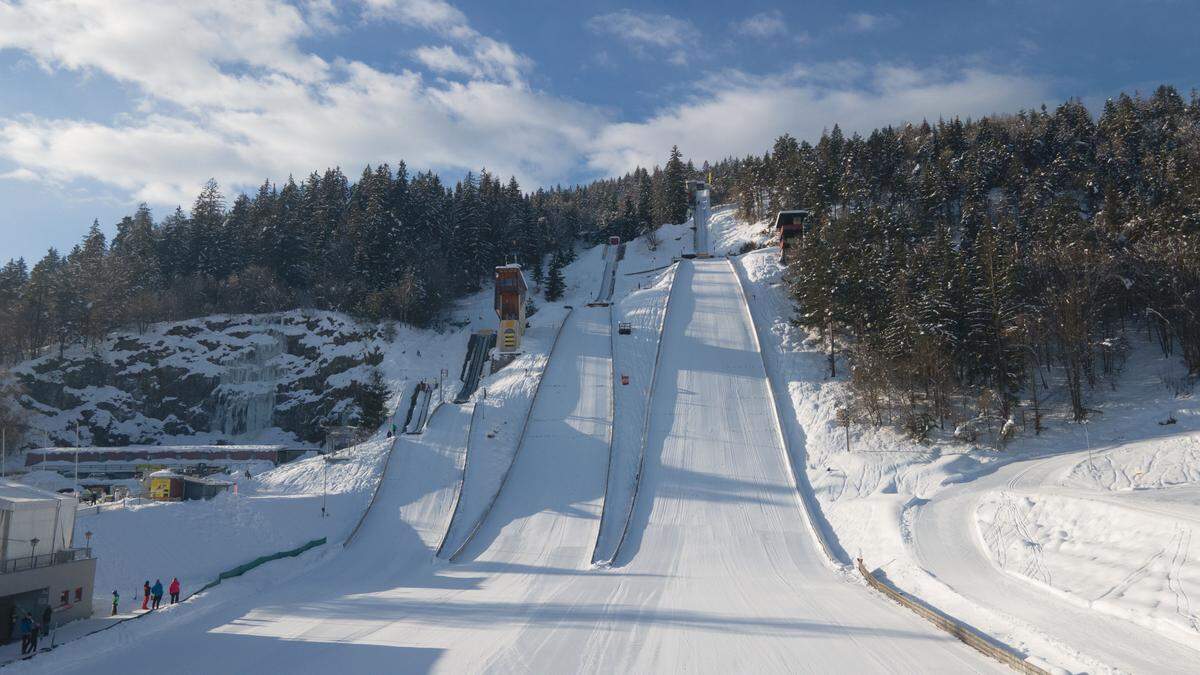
(719, 573)
(719, 533)
(548, 511)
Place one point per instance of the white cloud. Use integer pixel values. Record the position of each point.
(483, 57)
(434, 15)
(20, 174)
(227, 93)
(445, 59)
(646, 34)
(862, 22)
(763, 25)
(171, 53)
(736, 113)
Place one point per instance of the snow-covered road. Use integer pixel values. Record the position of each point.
(947, 543)
(719, 573)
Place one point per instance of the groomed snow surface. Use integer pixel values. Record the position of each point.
(719, 570)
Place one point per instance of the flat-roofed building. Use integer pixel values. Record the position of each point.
(39, 566)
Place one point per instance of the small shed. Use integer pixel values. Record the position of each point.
(168, 486)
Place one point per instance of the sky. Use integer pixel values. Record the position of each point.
(108, 103)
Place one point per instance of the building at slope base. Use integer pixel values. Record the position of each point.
(39, 567)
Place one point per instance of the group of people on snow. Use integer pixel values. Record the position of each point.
(151, 595)
(31, 631)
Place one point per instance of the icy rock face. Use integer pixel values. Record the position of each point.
(245, 399)
(224, 377)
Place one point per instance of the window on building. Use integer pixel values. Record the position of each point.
(79, 594)
(66, 597)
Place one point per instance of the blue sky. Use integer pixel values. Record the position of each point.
(106, 103)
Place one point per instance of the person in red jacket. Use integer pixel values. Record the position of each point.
(146, 595)
(174, 590)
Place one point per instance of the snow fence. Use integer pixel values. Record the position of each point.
(227, 574)
(261, 560)
(963, 632)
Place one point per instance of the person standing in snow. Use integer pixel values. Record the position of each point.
(146, 594)
(33, 638)
(26, 629)
(47, 614)
(174, 590)
(116, 600)
(157, 592)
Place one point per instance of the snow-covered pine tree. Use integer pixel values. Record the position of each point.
(555, 283)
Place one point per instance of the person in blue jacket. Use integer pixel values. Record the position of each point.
(26, 628)
(156, 592)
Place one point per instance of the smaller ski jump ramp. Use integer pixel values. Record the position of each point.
(608, 281)
(418, 412)
(472, 371)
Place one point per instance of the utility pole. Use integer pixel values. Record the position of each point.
(1088, 440)
(76, 452)
(3, 450)
(325, 490)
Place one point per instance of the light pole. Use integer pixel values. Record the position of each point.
(88, 538)
(325, 489)
(1088, 440)
(76, 453)
(33, 552)
(3, 450)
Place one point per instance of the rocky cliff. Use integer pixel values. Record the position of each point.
(276, 377)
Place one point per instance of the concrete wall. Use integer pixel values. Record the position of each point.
(57, 578)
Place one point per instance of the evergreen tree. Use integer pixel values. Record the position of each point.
(206, 241)
(674, 198)
(555, 283)
(372, 399)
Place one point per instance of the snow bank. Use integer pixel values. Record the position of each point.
(729, 234)
(1121, 559)
(1157, 463)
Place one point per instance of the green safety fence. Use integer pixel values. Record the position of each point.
(227, 574)
(246, 567)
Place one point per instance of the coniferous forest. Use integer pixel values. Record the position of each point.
(959, 265)
(389, 245)
(963, 266)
